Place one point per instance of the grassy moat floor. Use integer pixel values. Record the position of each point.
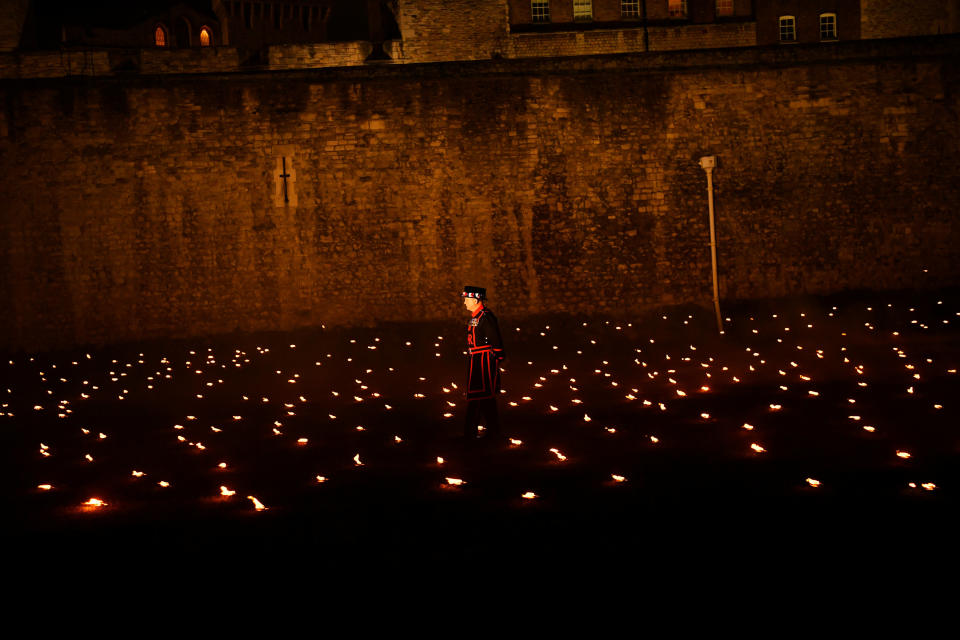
(815, 428)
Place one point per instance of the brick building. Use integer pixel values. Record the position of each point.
(793, 21)
(544, 15)
(584, 27)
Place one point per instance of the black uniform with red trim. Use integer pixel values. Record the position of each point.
(485, 350)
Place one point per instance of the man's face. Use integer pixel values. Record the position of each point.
(471, 304)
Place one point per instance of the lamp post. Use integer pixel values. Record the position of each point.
(707, 163)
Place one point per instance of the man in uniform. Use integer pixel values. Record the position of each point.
(485, 351)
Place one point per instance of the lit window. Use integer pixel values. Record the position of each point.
(828, 26)
(160, 36)
(677, 8)
(583, 9)
(788, 29)
(724, 7)
(206, 37)
(630, 8)
(540, 10)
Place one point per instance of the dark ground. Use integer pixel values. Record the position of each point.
(697, 498)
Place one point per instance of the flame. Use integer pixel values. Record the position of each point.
(440, 460)
(757, 447)
(356, 460)
(95, 502)
(557, 453)
(903, 454)
(137, 474)
(929, 486)
(256, 503)
(222, 465)
(302, 441)
(45, 487)
(586, 418)
(617, 478)
(529, 495)
(164, 484)
(455, 482)
(321, 479)
(813, 482)
(224, 491)
(654, 439)
(515, 442)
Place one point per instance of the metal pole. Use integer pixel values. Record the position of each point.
(708, 163)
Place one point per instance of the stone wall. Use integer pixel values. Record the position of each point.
(54, 64)
(897, 18)
(327, 54)
(153, 206)
(192, 60)
(439, 30)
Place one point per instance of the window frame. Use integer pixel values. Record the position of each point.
(678, 14)
(835, 33)
(543, 14)
(716, 8)
(583, 17)
(630, 8)
(164, 33)
(793, 28)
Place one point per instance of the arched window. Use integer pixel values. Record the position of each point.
(788, 29)
(160, 36)
(206, 37)
(828, 26)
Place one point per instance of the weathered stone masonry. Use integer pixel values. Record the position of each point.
(147, 207)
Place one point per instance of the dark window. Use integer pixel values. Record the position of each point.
(629, 8)
(540, 10)
(788, 29)
(828, 26)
